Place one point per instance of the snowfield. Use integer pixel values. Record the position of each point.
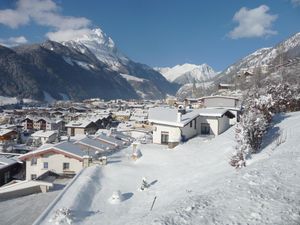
(193, 183)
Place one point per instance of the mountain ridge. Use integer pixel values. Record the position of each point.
(78, 70)
(187, 73)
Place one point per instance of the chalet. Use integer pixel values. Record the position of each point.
(28, 124)
(81, 127)
(39, 124)
(171, 126)
(64, 158)
(7, 138)
(42, 137)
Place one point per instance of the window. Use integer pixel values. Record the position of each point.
(33, 161)
(6, 177)
(205, 128)
(164, 137)
(45, 165)
(195, 126)
(191, 123)
(66, 166)
(33, 176)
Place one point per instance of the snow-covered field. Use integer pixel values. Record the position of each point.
(193, 183)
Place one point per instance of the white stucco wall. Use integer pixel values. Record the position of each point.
(174, 133)
(233, 120)
(212, 121)
(55, 164)
(223, 124)
(219, 102)
(189, 131)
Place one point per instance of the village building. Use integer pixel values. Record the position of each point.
(81, 127)
(171, 126)
(42, 137)
(122, 115)
(7, 138)
(192, 103)
(233, 104)
(27, 124)
(64, 158)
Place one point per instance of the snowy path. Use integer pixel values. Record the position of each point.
(194, 184)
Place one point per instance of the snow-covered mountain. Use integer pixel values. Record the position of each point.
(151, 83)
(101, 45)
(286, 53)
(187, 73)
(86, 67)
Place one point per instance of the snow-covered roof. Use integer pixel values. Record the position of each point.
(64, 147)
(213, 112)
(95, 144)
(5, 131)
(42, 133)
(168, 116)
(110, 140)
(4, 161)
(79, 124)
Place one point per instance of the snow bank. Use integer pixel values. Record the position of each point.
(76, 197)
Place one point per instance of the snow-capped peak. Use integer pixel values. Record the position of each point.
(101, 45)
(97, 36)
(186, 73)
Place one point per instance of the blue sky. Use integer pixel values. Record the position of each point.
(158, 32)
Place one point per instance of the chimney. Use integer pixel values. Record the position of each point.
(178, 117)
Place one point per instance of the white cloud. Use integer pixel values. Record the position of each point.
(255, 22)
(296, 2)
(13, 41)
(13, 18)
(44, 13)
(64, 35)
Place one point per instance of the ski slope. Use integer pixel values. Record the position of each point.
(193, 183)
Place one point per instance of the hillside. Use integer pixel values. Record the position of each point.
(268, 61)
(194, 184)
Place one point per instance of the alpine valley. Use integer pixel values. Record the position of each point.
(89, 66)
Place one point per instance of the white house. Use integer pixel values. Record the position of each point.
(220, 101)
(233, 104)
(81, 127)
(171, 126)
(42, 137)
(63, 158)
